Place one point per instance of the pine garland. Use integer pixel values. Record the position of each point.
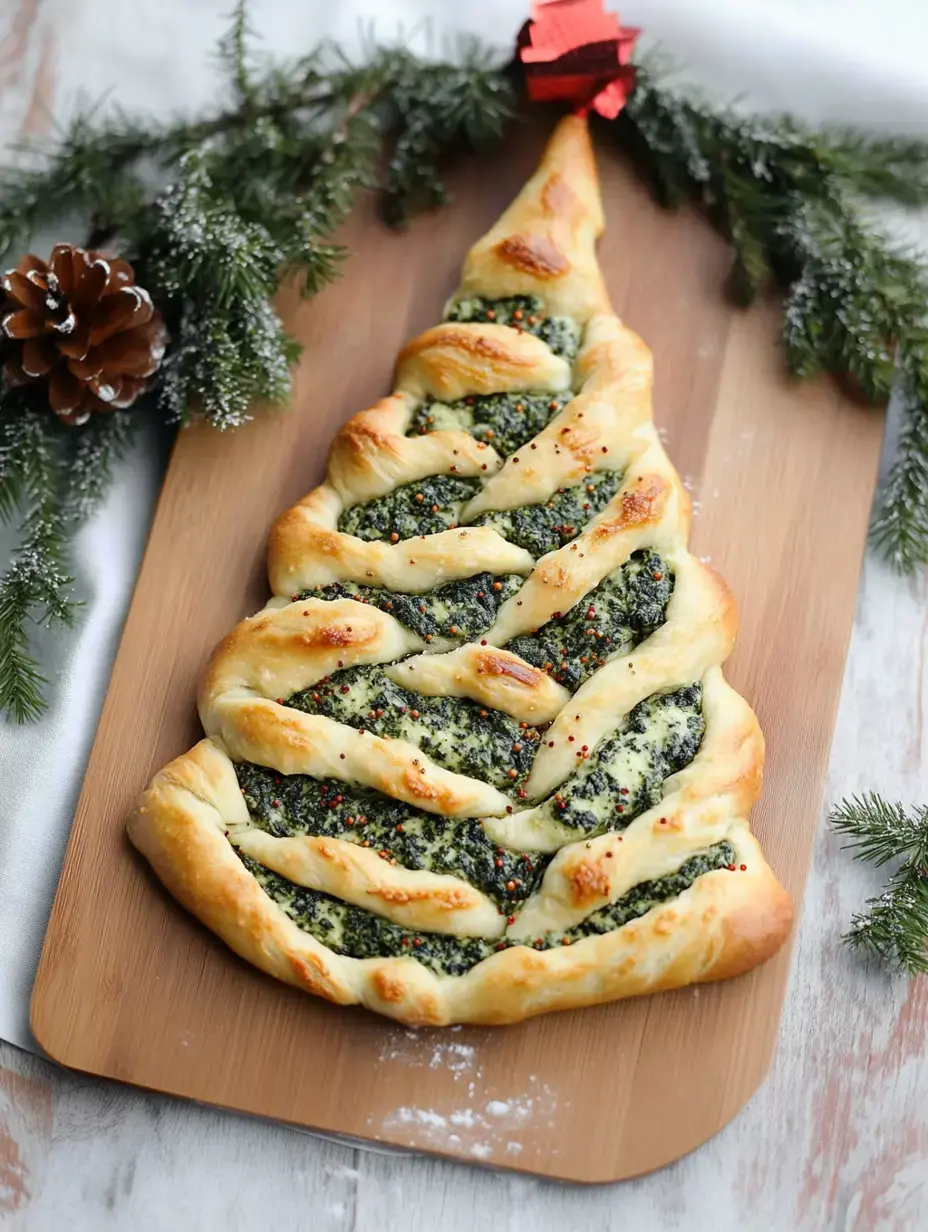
(212, 245)
(895, 925)
(57, 476)
(792, 204)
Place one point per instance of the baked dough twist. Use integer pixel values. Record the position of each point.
(635, 766)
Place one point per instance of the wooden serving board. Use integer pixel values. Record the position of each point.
(132, 988)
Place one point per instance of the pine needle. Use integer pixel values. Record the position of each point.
(33, 588)
(894, 926)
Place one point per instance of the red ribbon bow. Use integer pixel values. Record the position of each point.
(575, 52)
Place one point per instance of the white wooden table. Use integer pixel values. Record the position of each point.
(836, 1139)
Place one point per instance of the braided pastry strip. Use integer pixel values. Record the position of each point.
(194, 824)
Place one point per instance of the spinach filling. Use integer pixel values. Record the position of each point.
(542, 528)
(504, 421)
(524, 313)
(361, 934)
(460, 610)
(356, 933)
(642, 897)
(455, 732)
(624, 774)
(424, 508)
(624, 609)
(295, 804)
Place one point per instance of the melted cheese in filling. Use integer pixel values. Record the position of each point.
(542, 528)
(505, 421)
(618, 779)
(459, 611)
(626, 607)
(426, 507)
(361, 934)
(455, 732)
(524, 313)
(297, 804)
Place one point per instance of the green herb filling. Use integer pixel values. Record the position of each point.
(356, 933)
(624, 774)
(504, 421)
(361, 934)
(455, 732)
(460, 610)
(624, 609)
(542, 528)
(286, 805)
(524, 313)
(641, 898)
(424, 508)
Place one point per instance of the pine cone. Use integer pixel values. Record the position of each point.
(80, 323)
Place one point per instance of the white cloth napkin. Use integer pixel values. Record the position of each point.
(825, 59)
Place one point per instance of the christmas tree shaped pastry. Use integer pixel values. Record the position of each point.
(477, 759)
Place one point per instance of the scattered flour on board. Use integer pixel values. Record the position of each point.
(492, 1124)
(422, 1052)
(516, 1111)
(476, 1127)
(421, 1116)
(456, 1057)
(463, 1116)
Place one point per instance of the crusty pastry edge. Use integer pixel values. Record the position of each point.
(726, 923)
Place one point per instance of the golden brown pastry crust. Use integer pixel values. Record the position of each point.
(193, 816)
(726, 923)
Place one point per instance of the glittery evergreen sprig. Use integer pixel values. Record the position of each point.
(212, 245)
(793, 204)
(53, 477)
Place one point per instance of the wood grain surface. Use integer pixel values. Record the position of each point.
(129, 987)
(834, 1141)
